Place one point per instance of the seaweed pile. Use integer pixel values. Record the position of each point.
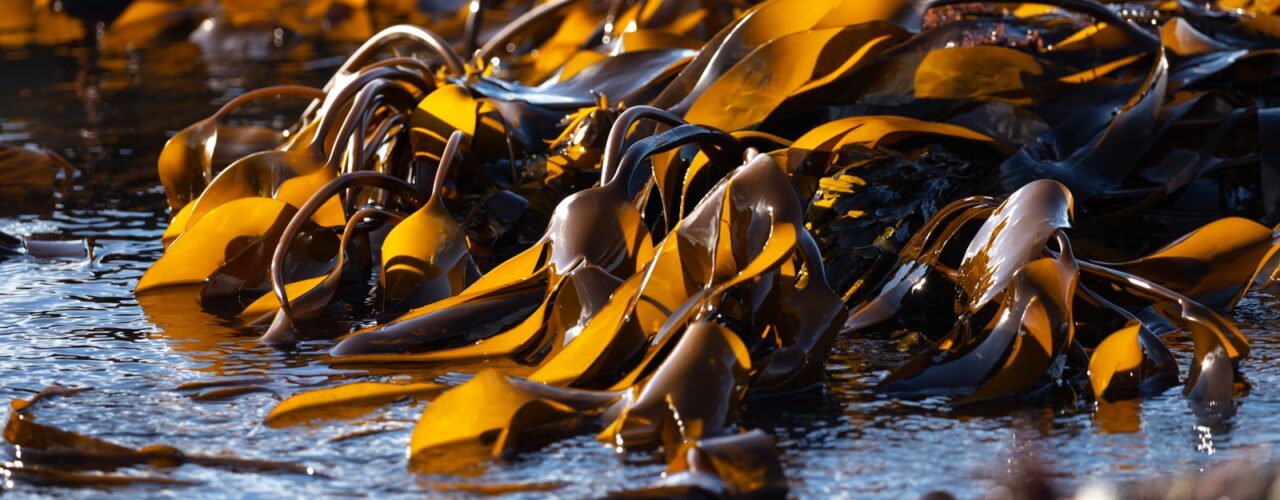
(627, 218)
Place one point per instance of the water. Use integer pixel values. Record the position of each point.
(77, 323)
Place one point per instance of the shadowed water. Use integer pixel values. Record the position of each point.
(77, 323)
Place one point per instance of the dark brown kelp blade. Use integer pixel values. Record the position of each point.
(44, 443)
(741, 465)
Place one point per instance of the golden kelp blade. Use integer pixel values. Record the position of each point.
(877, 130)
(336, 402)
(1047, 330)
(571, 301)
(22, 166)
(448, 109)
(783, 67)
(84, 451)
(426, 254)
(1212, 264)
(288, 176)
(234, 228)
(770, 21)
(268, 303)
(463, 426)
(744, 464)
(1126, 359)
(186, 161)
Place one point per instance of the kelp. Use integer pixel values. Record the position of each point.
(627, 218)
(47, 453)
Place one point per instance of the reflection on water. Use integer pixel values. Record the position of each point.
(165, 372)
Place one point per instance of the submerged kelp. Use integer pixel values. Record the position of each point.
(629, 219)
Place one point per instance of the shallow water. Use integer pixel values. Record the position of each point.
(77, 323)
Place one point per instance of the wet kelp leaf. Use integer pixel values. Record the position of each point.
(1014, 235)
(482, 418)
(741, 465)
(244, 227)
(1033, 326)
(1028, 340)
(1212, 265)
(343, 400)
(1127, 359)
(29, 178)
(763, 23)
(1033, 329)
(744, 233)
(424, 257)
(666, 410)
(784, 66)
(447, 109)
(32, 166)
(48, 477)
(1098, 162)
(46, 444)
(186, 162)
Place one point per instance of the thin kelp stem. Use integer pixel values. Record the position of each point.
(281, 330)
(380, 136)
(339, 98)
(621, 126)
(418, 64)
(711, 142)
(333, 187)
(377, 93)
(273, 91)
(510, 31)
(404, 32)
(475, 21)
(446, 160)
(356, 63)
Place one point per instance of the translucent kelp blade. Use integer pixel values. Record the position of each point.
(288, 176)
(770, 21)
(186, 163)
(667, 410)
(571, 301)
(1211, 265)
(445, 110)
(1128, 358)
(876, 130)
(343, 400)
(782, 67)
(228, 231)
(1014, 235)
(1033, 326)
(426, 254)
(471, 423)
